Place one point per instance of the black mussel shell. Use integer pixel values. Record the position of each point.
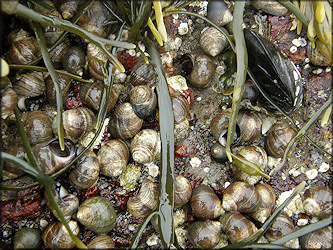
(274, 72)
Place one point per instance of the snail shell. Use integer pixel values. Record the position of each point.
(198, 68)
(183, 191)
(57, 53)
(270, 7)
(77, 122)
(90, 94)
(23, 48)
(27, 238)
(145, 201)
(236, 226)
(38, 126)
(101, 242)
(218, 12)
(143, 100)
(96, 19)
(68, 8)
(253, 154)
(250, 91)
(142, 74)
(9, 101)
(51, 158)
(283, 225)
(278, 137)
(317, 201)
(204, 234)
(267, 197)
(240, 196)
(51, 34)
(205, 204)
(30, 85)
(57, 236)
(74, 60)
(68, 203)
(85, 173)
(317, 58)
(11, 171)
(51, 96)
(95, 58)
(212, 41)
(124, 123)
(219, 127)
(249, 124)
(113, 156)
(319, 239)
(146, 146)
(97, 214)
(218, 152)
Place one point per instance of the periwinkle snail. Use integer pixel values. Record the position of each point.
(68, 203)
(218, 152)
(86, 172)
(249, 124)
(50, 89)
(101, 242)
(146, 146)
(145, 201)
(58, 52)
(240, 196)
(205, 204)
(319, 239)
(23, 47)
(143, 100)
(113, 157)
(95, 59)
(77, 122)
(57, 236)
(68, 8)
(27, 238)
(254, 154)
(218, 12)
(11, 171)
(198, 68)
(212, 41)
(237, 226)
(317, 201)
(9, 101)
(142, 74)
(278, 138)
(124, 123)
(51, 158)
(97, 214)
(74, 60)
(182, 190)
(38, 126)
(30, 85)
(204, 234)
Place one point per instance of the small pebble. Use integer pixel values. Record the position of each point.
(307, 60)
(206, 169)
(183, 29)
(152, 169)
(328, 69)
(317, 71)
(293, 49)
(195, 162)
(199, 98)
(43, 223)
(226, 184)
(131, 52)
(302, 222)
(311, 174)
(131, 227)
(299, 42)
(152, 240)
(324, 167)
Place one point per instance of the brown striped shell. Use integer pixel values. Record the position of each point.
(95, 58)
(101, 242)
(113, 156)
(142, 74)
(77, 122)
(143, 100)
(319, 239)
(11, 171)
(57, 53)
(204, 234)
(50, 89)
(146, 146)
(30, 85)
(241, 197)
(9, 101)
(86, 172)
(57, 236)
(182, 191)
(145, 201)
(205, 204)
(90, 94)
(97, 214)
(124, 123)
(317, 201)
(236, 226)
(249, 124)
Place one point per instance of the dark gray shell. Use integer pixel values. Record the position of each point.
(274, 72)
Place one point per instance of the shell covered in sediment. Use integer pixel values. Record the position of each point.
(240, 196)
(145, 201)
(86, 172)
(113, 156)
(146, 146)
(212, 41)
(205, 204)
(97, 214)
